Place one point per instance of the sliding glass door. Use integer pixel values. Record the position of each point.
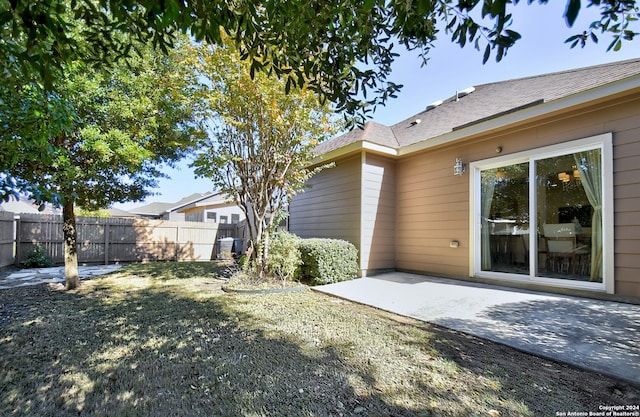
(505, 219)
(569, 201)
(539, 217)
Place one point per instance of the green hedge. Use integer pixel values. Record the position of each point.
(325, 261)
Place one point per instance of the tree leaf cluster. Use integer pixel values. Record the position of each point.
(617, 18)
(97, 137)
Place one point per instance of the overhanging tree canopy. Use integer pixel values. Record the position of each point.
(324, 44)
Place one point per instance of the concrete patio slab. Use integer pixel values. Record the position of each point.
(602, 336)
(35, 276)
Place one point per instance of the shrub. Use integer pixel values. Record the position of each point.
(284, 256)
(325, 261)
(38, 258)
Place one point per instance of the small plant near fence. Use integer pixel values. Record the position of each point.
(38, 258)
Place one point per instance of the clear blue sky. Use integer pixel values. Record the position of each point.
(450, 68)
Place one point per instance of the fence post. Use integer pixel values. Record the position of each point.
(106, 242)
(177, 242)
(17, 240)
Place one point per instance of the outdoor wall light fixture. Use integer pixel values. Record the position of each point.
(459, 167)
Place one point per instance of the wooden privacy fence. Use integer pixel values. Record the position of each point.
(112, 240)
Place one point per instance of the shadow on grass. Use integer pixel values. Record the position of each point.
(138, 345)
(544, 385)
(153, 352)
(176, 270)
(600, 336)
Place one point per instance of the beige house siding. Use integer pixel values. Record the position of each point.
(432, 210)
(377, 249)
(433, 204)
(331, 208)
(626, 178)
(403, 207)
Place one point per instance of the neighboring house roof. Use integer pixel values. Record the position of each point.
(114, 212)
(24, 205)
(157, 209)
(193, 200)
(486, 102)
(18, 207)
(152, 209)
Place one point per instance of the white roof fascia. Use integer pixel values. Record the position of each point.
(353, 147)
(221, 202)
(146, 213)
(381, 149)
(519, 116)
(194, 202)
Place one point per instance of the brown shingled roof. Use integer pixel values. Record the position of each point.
(371, 132)
(485, 102)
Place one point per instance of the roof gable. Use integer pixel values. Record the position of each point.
(373, 132)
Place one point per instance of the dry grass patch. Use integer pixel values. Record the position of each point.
(164, 340)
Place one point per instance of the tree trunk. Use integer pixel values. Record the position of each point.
(70, 248)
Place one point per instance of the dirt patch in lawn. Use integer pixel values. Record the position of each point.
(160, 342)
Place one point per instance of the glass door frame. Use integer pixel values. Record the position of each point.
(603, 142)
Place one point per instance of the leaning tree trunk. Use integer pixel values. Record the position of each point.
(70, 247)
(258, 245)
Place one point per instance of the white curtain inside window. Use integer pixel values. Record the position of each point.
(590, 166)
(488, 181)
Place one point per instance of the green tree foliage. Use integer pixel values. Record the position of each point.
(341, 49)
(97, 137)
(100, 213)
(261, 139)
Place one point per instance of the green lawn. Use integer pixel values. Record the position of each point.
(164, 340)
